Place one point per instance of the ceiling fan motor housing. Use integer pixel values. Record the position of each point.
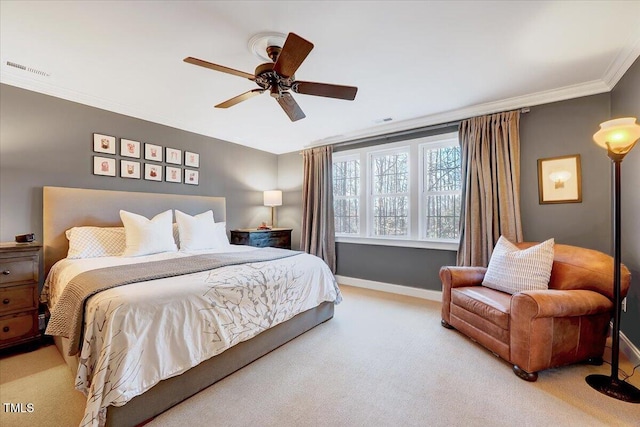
(267, 79)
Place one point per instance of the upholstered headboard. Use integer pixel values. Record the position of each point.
(64, 208)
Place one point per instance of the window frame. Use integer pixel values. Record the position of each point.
(348, 158)
(433, 144)
(416, 221)
(370, 196)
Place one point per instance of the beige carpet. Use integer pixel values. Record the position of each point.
(383, 360)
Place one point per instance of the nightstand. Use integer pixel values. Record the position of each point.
(275, 237)
(19, 267)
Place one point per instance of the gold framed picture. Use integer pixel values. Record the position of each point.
(560, 180)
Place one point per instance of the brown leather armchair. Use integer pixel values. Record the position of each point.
(536, 330)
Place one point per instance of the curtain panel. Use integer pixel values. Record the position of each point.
(490, 149)
(318, 228)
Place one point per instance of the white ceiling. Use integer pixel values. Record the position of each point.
(418, 63)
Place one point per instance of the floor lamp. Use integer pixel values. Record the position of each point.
(618, 137)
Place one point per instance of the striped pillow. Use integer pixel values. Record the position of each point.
(513, 270)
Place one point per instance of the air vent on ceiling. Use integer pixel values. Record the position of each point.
(29, 69)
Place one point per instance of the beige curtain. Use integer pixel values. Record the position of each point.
(490, 148)
(318, 228)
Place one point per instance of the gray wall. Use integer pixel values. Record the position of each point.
(625, 102)
(290, 169)
(48, 141)
(558, 129)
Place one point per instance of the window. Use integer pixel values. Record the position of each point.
(405, 194)
(441, 190)
(346, 195)
(390, 193)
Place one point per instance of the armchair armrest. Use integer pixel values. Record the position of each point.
(454, 277)
(557, 303)
(555, 327)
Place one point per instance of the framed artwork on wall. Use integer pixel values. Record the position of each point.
(129, 148)
(104, 143)
(559, 180)
(173, 156)
(129, 169)
(191, 159)
(152, 172)
(152, 152)
(173, 174)
(105, 166)
(191, 177)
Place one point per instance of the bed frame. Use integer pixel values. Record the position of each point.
(64, 208)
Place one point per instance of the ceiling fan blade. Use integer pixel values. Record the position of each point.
(238, 99)
(216, 67)
(290, 106)
(294, 51)
(324, 89)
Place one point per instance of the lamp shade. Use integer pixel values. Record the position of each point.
(273, 198)
(619, 133)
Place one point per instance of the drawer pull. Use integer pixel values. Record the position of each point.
(6, 272)
(6, 301)
(5, 329)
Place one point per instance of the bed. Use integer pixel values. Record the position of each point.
(155, 388)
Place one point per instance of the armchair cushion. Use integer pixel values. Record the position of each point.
(515, 270)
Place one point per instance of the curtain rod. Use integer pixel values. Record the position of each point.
(366, 139)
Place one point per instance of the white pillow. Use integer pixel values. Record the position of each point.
(148, 236)
(514, 270)
(91, 242)
(222, 240)
(198, 232)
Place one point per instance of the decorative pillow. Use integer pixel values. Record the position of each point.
(222, 240)
(514, 270)
(176, 234)
(148, 236)
(197, 232)
(91, 242)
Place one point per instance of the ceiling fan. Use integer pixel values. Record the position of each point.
(278, 78)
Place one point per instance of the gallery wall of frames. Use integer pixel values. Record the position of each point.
(142, 160)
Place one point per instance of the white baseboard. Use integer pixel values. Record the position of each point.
(628, 349)
(390, 288)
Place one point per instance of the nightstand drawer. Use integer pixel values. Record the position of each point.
(16, 327)
(16, 270)
(17, 298)
(276, 238)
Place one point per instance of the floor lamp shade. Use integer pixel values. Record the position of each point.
(273, 198)
(618, 136)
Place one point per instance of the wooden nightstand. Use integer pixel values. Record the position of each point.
(276, 237)
(19, 266)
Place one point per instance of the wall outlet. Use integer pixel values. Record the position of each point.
(624, 304)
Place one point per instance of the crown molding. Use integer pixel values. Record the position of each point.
(622, 63)
(568, 92)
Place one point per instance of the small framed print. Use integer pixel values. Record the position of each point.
(173, 174)
(129, 148)
(129, 169)
(191, 159)
(152, 172)
(104, 143)
(191, 177)
(173, 156)
(153, 152)
(560, 180)
(104, 166)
